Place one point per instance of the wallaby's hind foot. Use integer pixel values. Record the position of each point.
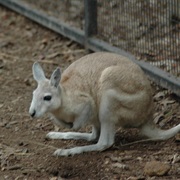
(80, 149)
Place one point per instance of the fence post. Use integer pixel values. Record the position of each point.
(90, 11)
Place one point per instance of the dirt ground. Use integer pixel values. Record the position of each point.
(24, 151)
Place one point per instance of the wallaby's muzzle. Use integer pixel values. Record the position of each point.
(33, 113)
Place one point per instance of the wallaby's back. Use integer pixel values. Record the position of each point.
(85, 73)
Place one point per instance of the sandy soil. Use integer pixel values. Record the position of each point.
(24, 151)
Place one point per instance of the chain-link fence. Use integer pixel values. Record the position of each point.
(68, 11)
(148, 29)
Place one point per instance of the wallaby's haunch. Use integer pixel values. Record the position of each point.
(102, 89)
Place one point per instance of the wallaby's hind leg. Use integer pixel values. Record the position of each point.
(107, 120)
(75, 135)
(107, 132)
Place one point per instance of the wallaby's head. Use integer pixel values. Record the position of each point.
(46, 97)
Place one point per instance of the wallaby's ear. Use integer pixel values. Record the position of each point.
(38, 72)
(55, 77)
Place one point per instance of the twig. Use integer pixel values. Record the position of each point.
(45, 62)
(15, 167)
(33, 142)
(144, 140)
(17, 50)
(73, 52)
(8, 56)
(20, 114)
(41, 144)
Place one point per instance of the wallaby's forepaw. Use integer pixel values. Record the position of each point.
(62, 152)
(54, 135)
(67, 152)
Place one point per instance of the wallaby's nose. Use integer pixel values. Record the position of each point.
(33, 114)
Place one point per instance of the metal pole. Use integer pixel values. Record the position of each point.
(90, 10)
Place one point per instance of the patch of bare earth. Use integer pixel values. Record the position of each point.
(24, 151)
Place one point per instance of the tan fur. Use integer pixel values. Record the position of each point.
(91, 76)
(108, 91)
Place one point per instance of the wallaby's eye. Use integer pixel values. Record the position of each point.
(47, 98)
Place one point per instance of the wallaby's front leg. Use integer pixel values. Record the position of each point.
(106, 140)
(85, 114)
(107, 134)
(75, 135)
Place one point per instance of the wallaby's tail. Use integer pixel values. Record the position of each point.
(154, 133)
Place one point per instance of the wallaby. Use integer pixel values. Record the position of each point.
(102, 89)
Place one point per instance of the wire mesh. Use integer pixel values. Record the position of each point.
(69, 11)
(149, 29)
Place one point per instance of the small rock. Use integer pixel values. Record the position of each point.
(136, 178)
(27, 82)
(20, 143)
(177, 137)
(54, 178)
(25, 150)
(44, 41)
(3, 124)
(156, 168)
(139, 158)
(106, 162)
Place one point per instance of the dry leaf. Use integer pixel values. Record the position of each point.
(176, 158)
(53, 55)
(160, 95)
(165, 102)
(158, 118)
(116, 159)
(120, 165)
